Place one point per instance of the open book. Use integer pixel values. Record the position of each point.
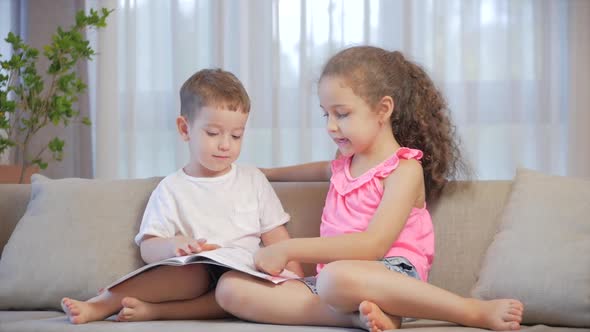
(235, 258)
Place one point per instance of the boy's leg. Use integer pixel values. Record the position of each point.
(202, 307)
(164, 283)
(394, 293)
(289, 303)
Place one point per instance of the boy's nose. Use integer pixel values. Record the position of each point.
(224, 144)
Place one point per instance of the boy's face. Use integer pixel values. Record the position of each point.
(214, 138)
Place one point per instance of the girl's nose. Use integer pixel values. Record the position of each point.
(331, 125)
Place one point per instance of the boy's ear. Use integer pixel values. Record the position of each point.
(385, 108)
(182, 127)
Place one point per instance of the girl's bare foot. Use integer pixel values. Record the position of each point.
(375, 320)
(498, 315)
(135, 310)
(80, 312)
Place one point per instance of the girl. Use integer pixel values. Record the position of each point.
(377, 243)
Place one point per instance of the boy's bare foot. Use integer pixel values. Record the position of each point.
(498, 315)
(80, 312)
(375, 320)
(135, 310)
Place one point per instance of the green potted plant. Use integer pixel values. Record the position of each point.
(30, 101)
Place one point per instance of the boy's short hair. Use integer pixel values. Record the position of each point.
(209, 87)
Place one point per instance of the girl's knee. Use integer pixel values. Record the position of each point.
(338, 286)
(335, 275)
(231, 291)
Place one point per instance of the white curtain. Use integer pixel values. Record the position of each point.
(9, 22)
(511, 71)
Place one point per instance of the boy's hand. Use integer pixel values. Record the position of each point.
(183, 245)
(271, 260)
(207, 246)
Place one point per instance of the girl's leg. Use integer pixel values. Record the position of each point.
(161, 284)
(289, 303)
(202, 307)
(396, 294)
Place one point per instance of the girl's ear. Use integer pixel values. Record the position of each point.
(385, 109)
(182, 127)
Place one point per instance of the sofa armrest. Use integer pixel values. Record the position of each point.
(13, 203)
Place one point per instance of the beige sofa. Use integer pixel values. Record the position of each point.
(466, 219)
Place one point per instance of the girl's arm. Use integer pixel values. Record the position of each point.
(276, 235)
(316, 171)
(401, 192)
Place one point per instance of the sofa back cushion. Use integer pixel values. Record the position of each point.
(540, 254)
(75, 237)
(465, 220)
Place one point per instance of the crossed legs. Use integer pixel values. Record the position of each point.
(373, 300)
(165, 292)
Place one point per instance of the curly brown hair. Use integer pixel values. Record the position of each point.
(420, 119)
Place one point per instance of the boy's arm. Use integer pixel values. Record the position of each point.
(279, 234)
(316, 171)
(154, 249)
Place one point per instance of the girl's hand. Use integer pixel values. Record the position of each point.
(183, 245)
(271, 260)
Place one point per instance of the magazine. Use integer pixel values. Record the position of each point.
(232, 257)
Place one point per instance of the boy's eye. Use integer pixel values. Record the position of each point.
(236, 136)
(210, 133)
(325, 114)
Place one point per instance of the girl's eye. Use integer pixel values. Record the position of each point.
(211, 133)
(338, 115)
(236, 137)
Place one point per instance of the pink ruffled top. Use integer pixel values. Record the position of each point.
(352, 202)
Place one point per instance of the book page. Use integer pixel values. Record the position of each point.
(242, 260)
(235, 258)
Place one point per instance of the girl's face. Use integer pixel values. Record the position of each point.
(350, 121)
(215, 140)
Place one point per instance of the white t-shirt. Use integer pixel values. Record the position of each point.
(229, 210)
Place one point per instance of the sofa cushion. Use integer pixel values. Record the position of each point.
(465, 220)
(75, 237)
(540, 253)
(13, 203)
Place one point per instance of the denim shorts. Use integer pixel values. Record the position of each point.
(395, 263)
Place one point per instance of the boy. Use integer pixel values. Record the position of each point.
(210, 202)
